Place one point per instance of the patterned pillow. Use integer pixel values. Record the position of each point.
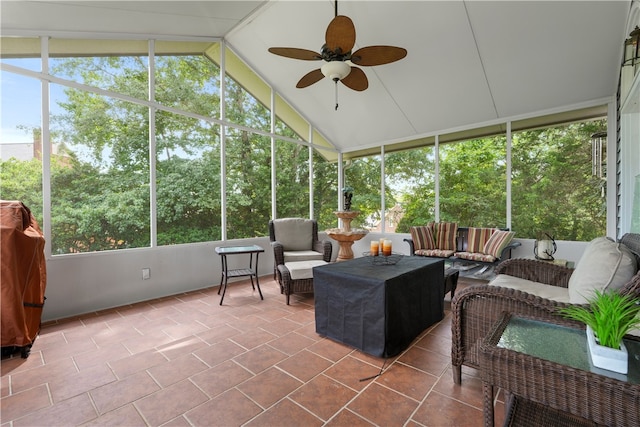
(423, 237)
(477, 238)
(446, 235)
(497, 242)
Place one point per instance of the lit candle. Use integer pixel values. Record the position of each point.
(386, 248)
(375, 247)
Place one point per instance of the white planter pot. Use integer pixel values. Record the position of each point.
(607, 358)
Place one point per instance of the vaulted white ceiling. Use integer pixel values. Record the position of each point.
(469, 63)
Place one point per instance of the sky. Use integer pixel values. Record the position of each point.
(20, 100)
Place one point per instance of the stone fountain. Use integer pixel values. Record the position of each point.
(345, 236)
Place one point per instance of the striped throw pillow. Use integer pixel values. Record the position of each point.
(477, 238)
(497, 242)
(422, 237)
(446, 234)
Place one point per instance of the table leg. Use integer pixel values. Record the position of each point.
(257, 280)
(226, 277)
(488, 404)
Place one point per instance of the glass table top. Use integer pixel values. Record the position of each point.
(564, 345)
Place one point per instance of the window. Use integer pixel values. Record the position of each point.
(410, 183)
(363, 175)
(553, 189)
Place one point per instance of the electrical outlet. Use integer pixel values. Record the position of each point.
(146, 273)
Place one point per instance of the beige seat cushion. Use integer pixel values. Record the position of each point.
(293, 256)
(302, 269)
(555, 293)
(605, 266)
(295, 234)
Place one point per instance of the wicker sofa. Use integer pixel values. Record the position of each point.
(475, 310)
(476, 245)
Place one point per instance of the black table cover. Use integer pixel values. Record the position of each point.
(379, 309)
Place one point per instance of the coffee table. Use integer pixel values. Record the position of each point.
(378, 309)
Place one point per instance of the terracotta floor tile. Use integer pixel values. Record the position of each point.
(281, 326)
(436, 343)
(382, 406)
(252, 339)
(177, 370)
(219, 352)
(260, 358)
(136, 362)
(102, 355)
(350, 371)
(228, 409)
(17, 364)
(124, 416)
(285, 414)
(70, 412)
(219, 333)
(440, 410)
(332, 350)
(23, 403)
(182, 347)
(471, 393)
(269, 386)
(220, 378)
(114, 395)
(304, 365)
(81, 382)
(170, 402)
(425, 360)
(291, 343)
(407, 380)
(146, 342)
(185, 360)
(323, 396)
(347, 418)
(58, 369)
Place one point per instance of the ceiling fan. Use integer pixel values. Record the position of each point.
(339, 63)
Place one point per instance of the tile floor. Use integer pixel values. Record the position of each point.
(187, 361)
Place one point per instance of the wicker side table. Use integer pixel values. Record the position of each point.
(545, 368)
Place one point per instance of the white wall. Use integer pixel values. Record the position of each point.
(84, 283)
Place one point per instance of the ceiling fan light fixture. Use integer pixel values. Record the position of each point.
(336, 70)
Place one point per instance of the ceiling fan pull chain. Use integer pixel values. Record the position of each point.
(336, 95)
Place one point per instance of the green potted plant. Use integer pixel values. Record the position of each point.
(609, 316)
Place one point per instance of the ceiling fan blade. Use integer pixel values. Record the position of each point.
(377, 55)
(341, 34)
(356, 80)
(295, 53)
(310, 78)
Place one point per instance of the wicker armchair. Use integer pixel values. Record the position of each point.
(475, 310)
(296, 239)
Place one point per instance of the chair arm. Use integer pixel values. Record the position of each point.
(278, 252)
(506, 252)
(325, 248)
(411, 246)
(536, 271)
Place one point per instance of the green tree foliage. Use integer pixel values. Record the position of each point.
(553, 188)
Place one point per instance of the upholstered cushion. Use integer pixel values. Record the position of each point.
(497, 242)
(293, 256)
(422, 237)
(446, 234)
(477, 238)
(439, 253)
(302, 269)
(295, 234)
(475, 256)
(556, 293)
(604, 265)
